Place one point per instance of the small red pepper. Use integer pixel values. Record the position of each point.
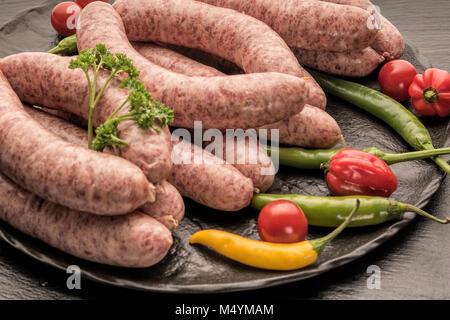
(355, 172)
(430, 93)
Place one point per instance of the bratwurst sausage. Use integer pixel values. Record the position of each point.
(358, 63)
(389, 41)
(64, 173)
(134, 240)
(44, 79)
(168, 207)
(308, 24)
(242, 39)
(207, 179)
(174, 61)
(240, 101)
(311, 128)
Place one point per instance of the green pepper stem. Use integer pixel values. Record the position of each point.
(67, 46)
(391, 158)
(408, 207)
(319, 244)
(442, 163)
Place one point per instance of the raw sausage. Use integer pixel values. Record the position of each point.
(389, 41)
(358, 63)
(309, 24)
(248, 156)
(168, 207)
(61, 172)
(239, 101)
(208, 180)
(133, 240)
(311, 128)
(242, 39)
(174, 61)
(44, 79)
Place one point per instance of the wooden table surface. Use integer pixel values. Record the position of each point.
(414, 265)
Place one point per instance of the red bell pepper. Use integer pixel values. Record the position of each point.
(355, 172)
(430, 93)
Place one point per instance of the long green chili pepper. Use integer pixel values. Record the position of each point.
(67, 46)
(315, 158)
(404, 122)
(332, 211)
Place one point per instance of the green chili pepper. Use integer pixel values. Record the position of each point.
(404, 122)
(332, 211)
(316, 158)
(67, 46)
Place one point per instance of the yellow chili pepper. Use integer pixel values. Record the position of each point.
(266, 255)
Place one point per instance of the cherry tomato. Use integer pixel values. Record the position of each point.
(64, 18)
(282, 221)
(84, 3)
(395, 77)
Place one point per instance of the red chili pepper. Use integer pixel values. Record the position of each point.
(430, 93)
(355, 172)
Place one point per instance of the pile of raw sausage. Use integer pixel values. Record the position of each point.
(119, 207)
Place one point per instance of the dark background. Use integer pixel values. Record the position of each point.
(414, 265)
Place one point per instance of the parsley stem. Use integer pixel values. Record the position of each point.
(118, 109)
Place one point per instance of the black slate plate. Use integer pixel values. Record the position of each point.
(196, 269)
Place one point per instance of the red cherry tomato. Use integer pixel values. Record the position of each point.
(64, 18)
(395, 77)
(282, 221)
(84, 3)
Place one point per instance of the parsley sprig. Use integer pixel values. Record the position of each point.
(147, 112)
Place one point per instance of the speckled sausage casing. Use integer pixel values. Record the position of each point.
(359, 63)
(325, 132)
(211, 182)
(246, 41)
(44, 79)
(311, 128)
(134, 240)
(168, 207)
(174, 61)
(389, 41)
(61, 172)
(240, 101)
(308, 24)
(250, 158)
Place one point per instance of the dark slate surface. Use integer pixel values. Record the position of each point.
(414, 264)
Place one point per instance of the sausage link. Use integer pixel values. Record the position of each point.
(44, 79)
(209, 180)
(309, 24)
(311, 128)
(133, 240)
(242, 39)
(239, 101)
(61, 172)
(248, 156)
(174, 61)
(358, 63)
(168, 207)
(292, 131)
(389, 41)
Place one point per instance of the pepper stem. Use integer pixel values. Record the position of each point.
(430, 95)
(425, 214)
(391, 158)
(319, 244)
